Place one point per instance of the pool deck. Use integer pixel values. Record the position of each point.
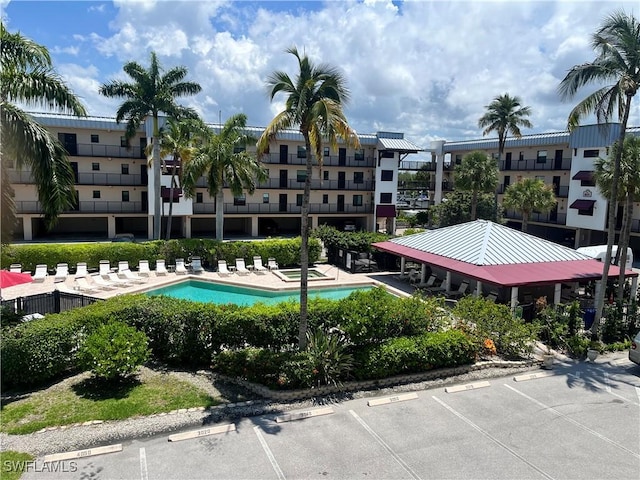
(267, 280)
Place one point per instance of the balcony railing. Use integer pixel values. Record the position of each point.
(109, 179)
(534, 164)
(288, 208)
(559, 219)
(87, 207)
(98, 150)
(317, 184)
(329, 161)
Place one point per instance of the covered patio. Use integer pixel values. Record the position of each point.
(495, 257)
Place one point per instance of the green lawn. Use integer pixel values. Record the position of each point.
(85, 400)
(13, 464)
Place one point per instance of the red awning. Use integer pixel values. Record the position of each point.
(385, 211)
(582, 204)
(583, 175)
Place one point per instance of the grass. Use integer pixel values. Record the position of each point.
(88, 400)
(13, 464)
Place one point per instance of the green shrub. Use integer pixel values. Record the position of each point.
(329, 357)
(114, 351)
(577, 345)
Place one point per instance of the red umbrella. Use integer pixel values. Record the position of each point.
(10, 279)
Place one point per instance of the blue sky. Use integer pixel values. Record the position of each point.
(425, 68)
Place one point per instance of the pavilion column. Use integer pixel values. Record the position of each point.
(447, 282)
(403, 263)
(557, 294)
(514, 298)
(423, 273)
(478, 292)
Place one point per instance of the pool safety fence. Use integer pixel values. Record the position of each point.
(44, 303)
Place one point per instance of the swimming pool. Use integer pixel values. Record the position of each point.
(211, 292)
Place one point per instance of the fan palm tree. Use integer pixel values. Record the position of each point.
(505, 114)
(315, 100)
(628, 191)
(477, 173)
(527, 196)
(221, 158)
(28, 78)
(617, 45)
(151, 92)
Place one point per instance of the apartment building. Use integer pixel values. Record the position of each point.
(564, 160)
(114, 185)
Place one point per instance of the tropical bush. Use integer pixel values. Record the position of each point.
(327, 352)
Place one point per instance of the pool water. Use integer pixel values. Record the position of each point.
(210, 292)
(295, 274)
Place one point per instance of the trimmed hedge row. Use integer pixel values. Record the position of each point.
(285, 251)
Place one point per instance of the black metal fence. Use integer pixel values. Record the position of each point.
(43, 303)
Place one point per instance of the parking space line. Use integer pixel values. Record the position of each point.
(606, 382)
(595, 385)
(267, 450)
(572, 421)
(144, 471)
(638, 392)
(492, 438)
(385, 445)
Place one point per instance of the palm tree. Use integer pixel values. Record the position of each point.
(28, 78)
(177, 140)
(314, 103)
(477, 173)
(617, 44)
(223, 161)
(527, 196)
(151, 93)
(505, 114)
(628, 191)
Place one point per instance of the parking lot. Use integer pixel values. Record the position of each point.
(578, 421)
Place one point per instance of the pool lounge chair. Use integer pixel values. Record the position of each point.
(125, 273)
(272, 264)
(62, 272)
(223, 270)
(82, 285)
(105, 268)
(181, 269)
(114, 279)
(462, 290)
(161, 268)
(143, 268)
(196, 265)
(101, 283)
(81, 270)
(40, 273)
(241, 268)
(258, 267)
(15, 268)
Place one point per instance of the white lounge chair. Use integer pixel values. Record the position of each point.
(161, 268)
(81, 270)
(258, 267)
(105, 268)
(223, 270)
(82, 285)
(196, 265)
(272, 264)
(62, 272)
(181, 269)
(241, 268)
(125, 273)
(15, 268)
(114, 279)
(40, 273)
(143, 268)
(101, 283)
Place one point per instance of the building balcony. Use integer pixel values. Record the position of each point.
(327, 161)
(553, 218)
(561, 191)
(278, 208)
(99, 150)
(89, 207)
(534, 164)
(317, 184)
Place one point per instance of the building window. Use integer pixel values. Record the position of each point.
(325, 198)
(358, 177)
(458, 159)
(125, 195)
(95, 138)
(96, 194)
(591, 153)
(325, 175)
(265, 198)
(521, 156)
(357, 200)
(240, 201)
(542, 156)
(385, 198)
(239, 149)
(387, 154)
(326, 151)
(299, 199)
(95, 166)
(359, 155)
(494, 156)
(301, 176)
(302, 152)
(199, 198)
(124, 168)
(386, 175)
(586, 212)
(123, 141)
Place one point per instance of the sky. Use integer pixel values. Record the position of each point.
(424, 68)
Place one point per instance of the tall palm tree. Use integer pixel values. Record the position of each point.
(477, 173)
(177, 139)
(527, 196)
(505, 114)
(617, 44)
(628, 192)
(221, 158)
(151, 92)
(315, 99)
(28, 78)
